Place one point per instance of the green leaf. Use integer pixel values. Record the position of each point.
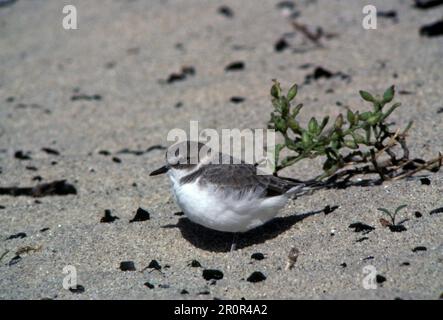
(365, 115)
(306, 139)
(324, 123)
(275, 89)
(339, 121)
(292, 92)
(351, 117)
(366, 96)
(389, 94)
(296, 110)
(385, 211)
(313, 126)
(400, 208)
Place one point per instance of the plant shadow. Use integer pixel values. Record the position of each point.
(217, 241)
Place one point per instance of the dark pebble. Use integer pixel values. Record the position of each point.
(226, 11)
(15, 260)
(435, 211)
(425, 181)
(116, 160)
(104, 152)
(154, 265)
(405, 264)
(108, 217)
(140, 215)
(281, 45)
(184, 291)
(180, 213)
(258, 256)
(51, 151)
(237, 99)
(397, 228)
(380, 278)
(362, 239)
(256, 276)
(361, 227)
(344, 265)
(77, 289)
(418, 214)
(164, 286)
(432, 30)
(420, 248)
(149, 285)
(209, 274)
(195, 264)
(127, 266)
(235, 66)
(44, 229)
(20, 155)
(19, 235)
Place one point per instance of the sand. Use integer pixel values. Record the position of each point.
(104, 87)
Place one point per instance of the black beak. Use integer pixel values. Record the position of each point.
(161, 170)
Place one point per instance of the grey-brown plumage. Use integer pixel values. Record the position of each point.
(241, 178)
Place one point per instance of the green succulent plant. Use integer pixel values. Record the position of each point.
(350, 140)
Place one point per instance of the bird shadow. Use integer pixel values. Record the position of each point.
(217, 241)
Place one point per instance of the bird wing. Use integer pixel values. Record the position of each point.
(242, 178)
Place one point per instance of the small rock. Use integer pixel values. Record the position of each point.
(281, 45)
(149, 285)
(195, 264)
(235, 66)
(141, 215)
(19, 235)
(226, 11)
(380, 279)
(361, 227)
(108, 217)
(154, 265)
(184, 291)
(209, 274)
(127, 266)
(77, 289)
(419, 248)
(418, 214)
(256, 276)
(435, 211)
(258, 256)
(237, 100)
(425, 181)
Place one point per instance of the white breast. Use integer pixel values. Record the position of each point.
(216, 210)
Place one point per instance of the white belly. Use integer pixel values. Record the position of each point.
(213, 210)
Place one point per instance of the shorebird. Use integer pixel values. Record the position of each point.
(218, 194)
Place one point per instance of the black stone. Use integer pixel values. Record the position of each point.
(108, 217)
(195, 264)
(15, 260)
(258, 256)
(19, 235)
(127, 266)
(77, 289)
(361, 227)
(281, 45)
(149, 285)
(154, 265)
(419, 248)
(237, 99)
(60, 188)
(116, 160)
(432, 30)
(425, 181)
(418, 214)
(256, 276)
(140, 215)
(209, 274)
(397, 228)
(20, 155)
(226, 11)
(184, 291)
(435, 211)
(380, 279)
(235, 66)
(51, 151)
